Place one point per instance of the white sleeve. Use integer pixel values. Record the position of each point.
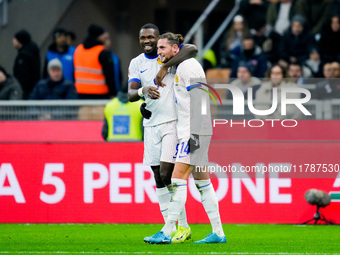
(183, 75)
(188, 73)
(134, 71)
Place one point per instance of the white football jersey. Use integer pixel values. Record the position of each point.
(144, 69)
(189, 100)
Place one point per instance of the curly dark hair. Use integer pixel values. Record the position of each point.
(283, 70)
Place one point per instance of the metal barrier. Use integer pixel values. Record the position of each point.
(331, 109)
(94, 110)
(4, 12)
(52, 110)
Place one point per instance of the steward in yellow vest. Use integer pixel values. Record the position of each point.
(123, 120)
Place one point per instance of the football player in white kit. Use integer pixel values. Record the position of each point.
(160, 137)
(194, 131)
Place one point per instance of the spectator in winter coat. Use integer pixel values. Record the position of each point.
(268, 40)
(27, 63)
(277, 78)
(253, 11)
(315, 11)
(55, 87)
(253, 56)
(297, 42)
(314, 63)
(279, 14)
(231, 45)
(60, 50)
(9, 87)
(330, 86)
(244, 81)
(330, 40)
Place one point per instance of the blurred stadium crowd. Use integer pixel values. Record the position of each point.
(287, 42)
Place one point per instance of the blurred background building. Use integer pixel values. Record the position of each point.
(122, 19)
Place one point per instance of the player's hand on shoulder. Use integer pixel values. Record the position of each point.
(145, 112)
(151, 92)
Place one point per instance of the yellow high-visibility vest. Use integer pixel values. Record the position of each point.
(124, 120)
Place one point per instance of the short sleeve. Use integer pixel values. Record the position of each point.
(134, 71)
(187, 72)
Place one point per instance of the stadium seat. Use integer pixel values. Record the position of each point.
(91, 113)
(219, 75)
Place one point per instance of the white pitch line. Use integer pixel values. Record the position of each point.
(150, 252)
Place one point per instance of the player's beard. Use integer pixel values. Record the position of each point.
(150, 52)
(164, 59)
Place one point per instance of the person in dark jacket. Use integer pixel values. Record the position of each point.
(314, 63)
(61, 50)
(329, 87)
(330, 40)
(253, 56)
(9, 87)
(94, 68)
(297, 42)
(253, 11)
(116, 64)
(268, 40)
(27, 63)
(55, 87)
(279, 14)
(315, 11)
(70, 38)
(244, 81)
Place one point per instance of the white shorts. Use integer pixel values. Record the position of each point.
(160, 143)
(199, 157)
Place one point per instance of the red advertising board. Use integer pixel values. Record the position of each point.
(43, 131)
(238, 130)
(107, 182)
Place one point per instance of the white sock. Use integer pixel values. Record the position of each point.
(163, 201)
(210, 203)
(178, 192)
(182, 220)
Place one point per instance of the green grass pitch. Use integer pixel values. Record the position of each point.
(128, 239)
